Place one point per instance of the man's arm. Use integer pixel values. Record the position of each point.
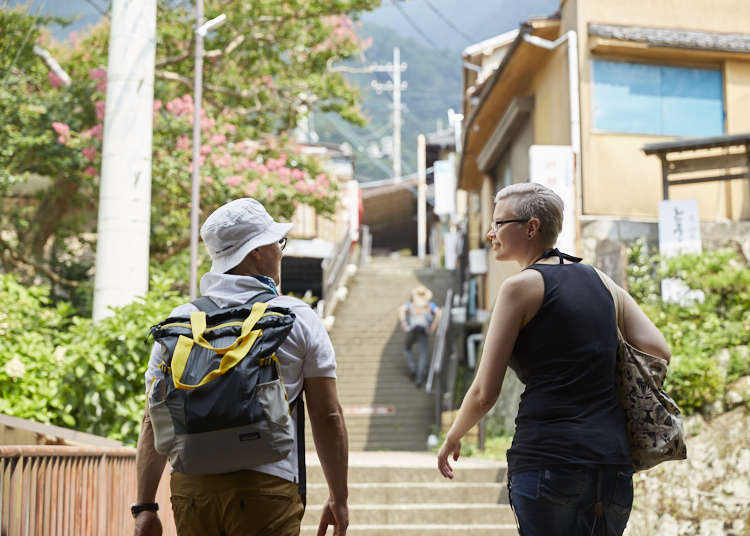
(435, 320)
(149, 468)
(402, 317)
(332, 445)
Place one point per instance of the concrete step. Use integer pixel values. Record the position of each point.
(420, 514)
(398, 474)
(416, 492)
(420, 530)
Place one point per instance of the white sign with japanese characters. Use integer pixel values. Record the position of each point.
(554, 167)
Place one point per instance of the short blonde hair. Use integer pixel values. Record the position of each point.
(531, 200)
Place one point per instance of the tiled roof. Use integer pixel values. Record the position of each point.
(670, 37)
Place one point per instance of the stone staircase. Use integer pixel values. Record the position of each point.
(383, 408)
(402, 493)
(394, 485)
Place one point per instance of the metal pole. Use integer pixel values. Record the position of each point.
(421, 195)
(196, 185)
(396, 114)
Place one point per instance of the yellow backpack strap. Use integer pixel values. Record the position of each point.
(231, 355)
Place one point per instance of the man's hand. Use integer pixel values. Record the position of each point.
(334, 514)
(148, 524)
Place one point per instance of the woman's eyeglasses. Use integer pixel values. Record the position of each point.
(282, 243)
(495, 225)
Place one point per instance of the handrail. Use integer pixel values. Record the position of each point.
(334, 266)
(63, 490)
(438, 354)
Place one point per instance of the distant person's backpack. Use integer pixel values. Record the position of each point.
(222, 405)
(420, 316)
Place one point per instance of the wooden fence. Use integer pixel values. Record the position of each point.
(67, 490)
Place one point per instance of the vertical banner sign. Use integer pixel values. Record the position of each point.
(552, 166)
(679, 232)
(445, 187)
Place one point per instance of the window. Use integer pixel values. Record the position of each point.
(655, 99)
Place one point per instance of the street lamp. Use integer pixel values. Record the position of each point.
(201, 29)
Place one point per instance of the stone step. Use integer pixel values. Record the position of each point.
(493, 473)
(420, 514)
(416, 492)
(420, 530)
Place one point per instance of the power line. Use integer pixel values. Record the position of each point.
(414, 24)
(447, 21)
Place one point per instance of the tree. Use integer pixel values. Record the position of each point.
(264, 69)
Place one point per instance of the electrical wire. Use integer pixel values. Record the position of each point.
(447, 21)
(414, 24)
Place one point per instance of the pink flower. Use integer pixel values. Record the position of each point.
(208, 180)
(205, 149)
(217, 139)
(61, 128)
(206, 122)
(175, 107)
(96, 131)
(298, 174)
(284, 175)
(89, 153)
(157, 105)
(183, 143)
(245, 163)
(54, 80)
(251, 188)
(273, 164)
(98, 74)
(99, 107)
(267, 80)
(91, 170)
(224, 160)
(230, 129)
(233, 180)
(269, 192)
(302, 187)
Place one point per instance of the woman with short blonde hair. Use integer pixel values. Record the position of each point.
(569, 467)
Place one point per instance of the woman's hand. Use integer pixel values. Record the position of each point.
(450, 446)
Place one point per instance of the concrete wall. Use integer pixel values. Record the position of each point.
(618, 179)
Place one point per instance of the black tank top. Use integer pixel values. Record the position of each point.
(569, 411)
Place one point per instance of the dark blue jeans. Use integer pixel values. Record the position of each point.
(418, 368)
(570, 501)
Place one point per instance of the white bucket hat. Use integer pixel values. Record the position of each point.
(235, 229)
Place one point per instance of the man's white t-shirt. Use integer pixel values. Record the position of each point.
(307, 351)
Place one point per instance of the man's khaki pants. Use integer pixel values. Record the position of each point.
(244, 503)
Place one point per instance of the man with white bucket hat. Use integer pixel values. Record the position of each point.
(246, 245)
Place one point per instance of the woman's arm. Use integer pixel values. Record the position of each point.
(519, 298)
(638, 329)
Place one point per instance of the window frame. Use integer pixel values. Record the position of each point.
(701, 66)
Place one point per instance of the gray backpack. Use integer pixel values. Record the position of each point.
(222, 405)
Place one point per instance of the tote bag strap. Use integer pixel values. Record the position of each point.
(616, 297)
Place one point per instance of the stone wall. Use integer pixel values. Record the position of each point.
(604, 241)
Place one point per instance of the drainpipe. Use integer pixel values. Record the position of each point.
(575, 108)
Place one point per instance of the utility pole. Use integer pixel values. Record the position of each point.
(123, 225)
(421, 196)
(396, 86)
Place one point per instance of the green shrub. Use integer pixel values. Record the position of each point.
(65, 370)
(33, 361)
(698, 331)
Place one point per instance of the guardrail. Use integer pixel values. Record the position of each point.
(333, 270)
(434, 382)
(65, 490)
